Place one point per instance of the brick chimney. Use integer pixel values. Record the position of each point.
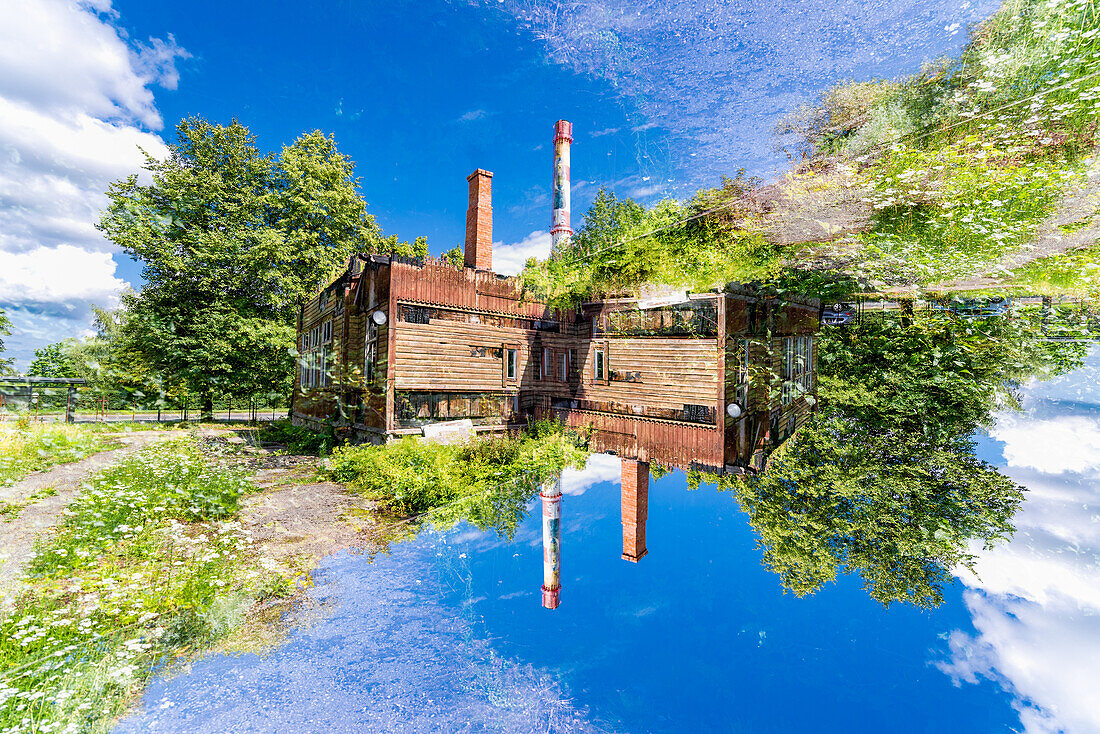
(479, 221)
(635, 508)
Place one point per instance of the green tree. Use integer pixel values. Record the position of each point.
(454, 257)
(55, 360)
(232, 241)
(883, 480)
(606, 223)
(897, 509)
(5, 330)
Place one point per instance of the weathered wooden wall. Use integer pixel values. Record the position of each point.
(671, 443)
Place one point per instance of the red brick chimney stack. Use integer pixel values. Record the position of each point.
(635, 508)
(479, 221)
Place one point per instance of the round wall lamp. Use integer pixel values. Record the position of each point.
(733, 410)
(378, 317)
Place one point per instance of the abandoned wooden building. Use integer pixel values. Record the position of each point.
(708, 380)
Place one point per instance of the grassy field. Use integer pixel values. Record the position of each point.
(148, 564)
(948, 176)
(29, 447)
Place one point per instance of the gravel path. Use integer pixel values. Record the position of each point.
(17, 535)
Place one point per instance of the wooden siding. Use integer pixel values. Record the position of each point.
(466, 288)
(453, 356)
(670, 443)
(652, 371)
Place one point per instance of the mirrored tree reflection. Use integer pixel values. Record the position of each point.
(883, 480)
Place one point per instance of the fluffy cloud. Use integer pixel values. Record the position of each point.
(76, 112)
(510, 259)
(1035, 602)
(598, 468)
(1053, 446)
(59, 280)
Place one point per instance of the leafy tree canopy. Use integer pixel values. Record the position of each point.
(55, 360)
(232, 241)
(883, 480)
(898, 510)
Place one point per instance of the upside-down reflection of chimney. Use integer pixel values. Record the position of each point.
(635, 508)
(479, 221)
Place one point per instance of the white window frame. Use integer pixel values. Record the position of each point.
(511, 364)
(600, 368)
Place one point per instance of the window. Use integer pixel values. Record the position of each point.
(547, 364)
(511, 367)
(322, 300)
(563, 366)
(339, 304)
(797, 367)
(739, 372)
(326, 332)
(370, 354)
(601, 364)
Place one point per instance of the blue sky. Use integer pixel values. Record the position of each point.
(665, 97)
(445, 632)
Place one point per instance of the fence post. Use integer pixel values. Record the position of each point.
(69, 405)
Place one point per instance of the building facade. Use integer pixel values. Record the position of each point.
(708, 381)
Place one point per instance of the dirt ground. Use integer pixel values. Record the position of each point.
(295, 519)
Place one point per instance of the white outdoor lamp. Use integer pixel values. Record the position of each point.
(733, 410)
(378, 317)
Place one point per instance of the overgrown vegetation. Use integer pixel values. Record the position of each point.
(148, 564)
(28, 447)
(486, 481)
(907, 183)
(299, 439)
(883, 480)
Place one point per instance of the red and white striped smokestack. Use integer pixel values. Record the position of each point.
(551, 543)
(560, 229)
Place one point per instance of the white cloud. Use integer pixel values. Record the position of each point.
(1053, 446)
(510, 259)
(76, 111)
(1035, 602)
(605, 131)
(61, 56)
(59, 280)
(472, 115)
(598, 468)
(642, 192)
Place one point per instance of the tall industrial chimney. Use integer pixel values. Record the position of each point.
(479, 221)
(560, 230)
(551, 543)
(635, 508)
